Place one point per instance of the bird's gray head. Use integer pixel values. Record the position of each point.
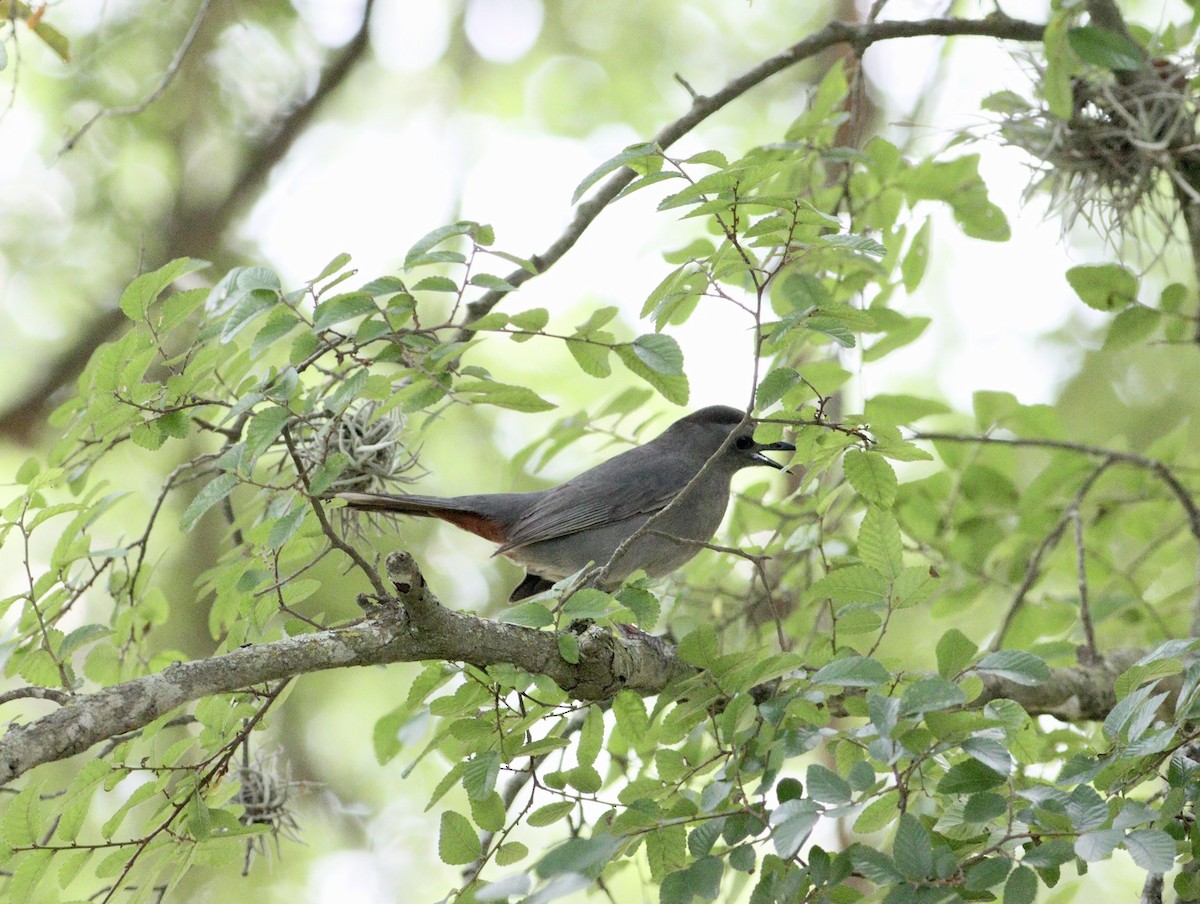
(707, 429)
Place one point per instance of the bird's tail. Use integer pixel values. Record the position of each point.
(458, 512)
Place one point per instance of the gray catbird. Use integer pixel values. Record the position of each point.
(554, 533)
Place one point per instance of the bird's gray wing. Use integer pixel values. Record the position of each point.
(636, 482)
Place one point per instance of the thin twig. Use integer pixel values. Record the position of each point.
(38, 693)
(1034, 569)
(326, 528)
(1156, 467)
(1090, 654)
(860, 36)
(168, 76)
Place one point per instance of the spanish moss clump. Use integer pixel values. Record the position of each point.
(372, 447)
(1128, 147)
(265, 796)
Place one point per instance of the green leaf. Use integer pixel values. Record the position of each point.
(511, 852)
(214, 491)
(568, 647)
(969, 777)
(136, 299)
(852, 584)
(1105, 48)
(699, 646)
(861, 243)
(591, 357)
(30, 867)
(879, 544)
(264, 428)
(21, 825)
(931, 694)
(987, 873)
(533, 320)
(872, 477)
(913, 586)
(1021, 887)
(492, 283)
(879, 814)
(954, 653)
(853, 671)
(1099, 845)
(589, 603)
(332, 267)
(578, 855)
(633, 152)
(791, 824)
(530, 614)
(826, 786)
(1151, 849)
(912, 849)
(1132, 325)
(659, 353)
(480, 774)
(458, 844)
(1018, 666)
(341, 308)
(774, 385)
(503, 395)
(674, 388)
(912, 267)
(436, 237)
(1105, 287)
(550, 813)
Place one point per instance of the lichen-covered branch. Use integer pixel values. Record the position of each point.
(414, 626)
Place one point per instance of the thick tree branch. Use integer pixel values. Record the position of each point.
(859, 35)
(414, 626)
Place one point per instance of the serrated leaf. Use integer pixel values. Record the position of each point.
(931, 694)
(674, 388)
(826, 786)
(954, 652)
(341, 308)
(480, 774)
(879, 544)
(504, 395)
(1151, 849)
(1021, 887)
(589, 603)
(912, 849)
(969, 777)
(568, 647)
(458, 844)
(136, 299)
(550, 813)
(578, 855)
(214, 491)
(879, 813)
(872, 477)
(511, 852)
(1099, 845)
(853, 671)
(1018, 666)
(612, 163)
(591, 357)
(436, 237)
(791, 824)
(774, 386)
(659, 353)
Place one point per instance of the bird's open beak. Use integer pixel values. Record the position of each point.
(761, 459)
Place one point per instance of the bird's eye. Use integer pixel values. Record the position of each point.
(743, 443)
